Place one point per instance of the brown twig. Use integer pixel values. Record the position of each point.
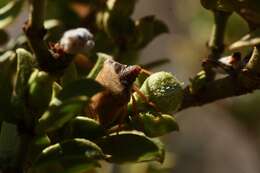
(35, 32)
(246, 81)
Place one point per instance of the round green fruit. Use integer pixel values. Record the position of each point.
(164, 90)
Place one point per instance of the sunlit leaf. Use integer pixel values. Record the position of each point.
(24, 70)
(7, 62)
(9, 12)
(73, 156)
(99, 65)
(57, 115)
(131, 147)
(155, 125)
(249, 40)
(84, 127)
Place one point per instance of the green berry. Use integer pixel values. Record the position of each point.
(164, 90)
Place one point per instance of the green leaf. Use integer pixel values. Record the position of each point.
(57, 115)
(82, 87)
(154, 125)
(249, 40)
(9, 12)
(24, 70)
(84, 127)
(147, 29)
(74, 156)
(131, 147)
(37, 144)
(99, 65)
(6, 74)
(198, 82)
(3, 3)
(51, 24)
(39, 91)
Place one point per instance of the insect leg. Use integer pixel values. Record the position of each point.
(145, 99)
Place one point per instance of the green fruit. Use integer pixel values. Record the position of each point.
(163, 89)
(40, 91)
(154, 126)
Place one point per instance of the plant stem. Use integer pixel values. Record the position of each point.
(216, 42)
(35, 31)
(37, 14)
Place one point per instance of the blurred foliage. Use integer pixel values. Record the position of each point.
(48, 108)
(52, 108)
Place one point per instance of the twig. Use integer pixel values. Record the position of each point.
(246, 81)
(216, 42)
(35, 32)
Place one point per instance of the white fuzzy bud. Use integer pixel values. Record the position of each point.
(78, 40)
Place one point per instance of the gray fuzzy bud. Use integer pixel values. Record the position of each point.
(78, 40)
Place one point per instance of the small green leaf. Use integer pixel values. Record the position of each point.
(24, 70)
(84, 127)
(99, 65)
(57, 115)
(147, 29)
(131, 147)
(198, 82)
(155, 125)
(249, 40)
(82, 87)
(3, 3)
(7, 62)
(9, 12)
(73, 155)
(37, 144)
(40, 91)
(51, 24)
